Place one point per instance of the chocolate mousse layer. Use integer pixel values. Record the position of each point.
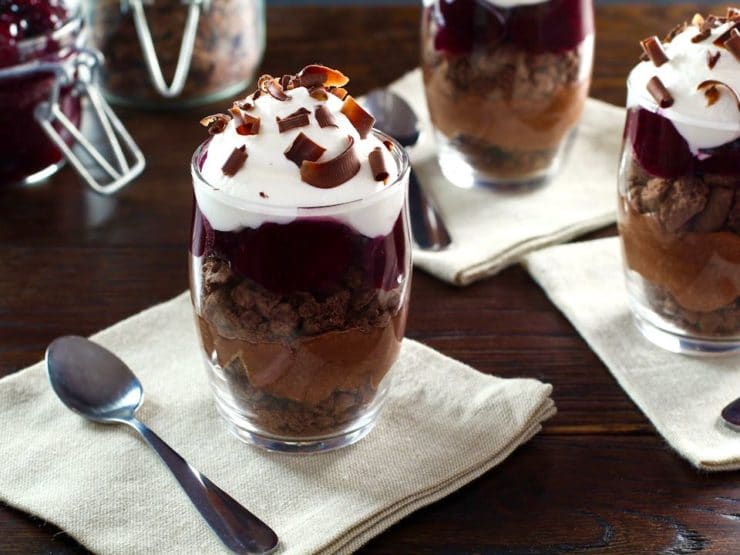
(682, 236)
(507, 97)
(299, 364)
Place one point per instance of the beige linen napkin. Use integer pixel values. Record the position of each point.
(681, 395)
(492, 230)
(444, 425)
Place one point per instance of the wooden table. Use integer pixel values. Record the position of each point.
(597, 479)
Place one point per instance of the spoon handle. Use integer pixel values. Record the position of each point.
(427, 227)
(238, 529)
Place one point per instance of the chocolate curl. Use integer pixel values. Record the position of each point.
(303, 149)
(250, 125)
(654, 51)
(712, 59)
(358, 117)
(339, 92)
(256, 94)
(733, 44)
(324, 117)
(235, 161)
(215, 123)
(388, 144)
(724, 37)
(244, 104)
(710, 84)
(299, 118)
(703, 35)
(733, 14)
(319, 93)
(678, 29)
(377, 165)
(268, 84)
(315, 74)
(334, 172)
(657, 90)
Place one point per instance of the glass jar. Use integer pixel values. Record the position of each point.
(679, 222)
(43, 81)
(215, 55)
(299, 314)
(506, 82)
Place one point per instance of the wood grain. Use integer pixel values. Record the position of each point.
(597, 480)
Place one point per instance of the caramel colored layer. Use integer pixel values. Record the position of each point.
(700, 270)
(308, 370)
(515, 124)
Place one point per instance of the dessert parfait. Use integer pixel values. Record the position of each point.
(506, 82)
(300, 262)
(679, 210)
(176, 52)
(34, 32)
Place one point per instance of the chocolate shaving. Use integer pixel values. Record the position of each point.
(654, 50)
(678, 29)
(388, 144)
(703, 35)
(250, 125)
(657, 90)
(268, 84)
(733, 44)
(303, 149)
(256, 94)
(724, 37)
(713, 84)
(712, 94)
(334, 172)
(235, 161)
(215, 123)
(377, 165)
(319, 93)
(712, 59)
(299, 118)
(358, 117)
(339, 92)
(324, 117)
(264, 195)
(733, 14)
(285, 81)
(316, 74)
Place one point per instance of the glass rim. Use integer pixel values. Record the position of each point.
(648, 102)
(72, 23)
(397, 151)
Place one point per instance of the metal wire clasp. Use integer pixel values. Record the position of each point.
(196, 7)
(78, 73)
(119, 172)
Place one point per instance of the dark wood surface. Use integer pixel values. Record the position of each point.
(598, 479)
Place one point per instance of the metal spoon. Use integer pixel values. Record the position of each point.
(96, 384)
(731, 415)
(396, 118)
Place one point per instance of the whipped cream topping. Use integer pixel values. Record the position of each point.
(271, 183)
(701, 125)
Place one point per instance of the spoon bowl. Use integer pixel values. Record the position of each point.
(95, 383)
(92, 381)
(395, 117)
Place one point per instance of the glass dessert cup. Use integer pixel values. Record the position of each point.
(28, 154)
(300, 316)
(679, 222)
(505, 86)
(176, 53)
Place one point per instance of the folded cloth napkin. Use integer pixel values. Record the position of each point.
(492, 230)
(682, 396)
(444, 425)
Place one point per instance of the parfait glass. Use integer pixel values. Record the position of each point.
(679, 222)
(506, 82)
(300, 311)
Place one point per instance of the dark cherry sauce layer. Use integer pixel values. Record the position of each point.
(553, 26)
(662, 151)
(309, 254)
